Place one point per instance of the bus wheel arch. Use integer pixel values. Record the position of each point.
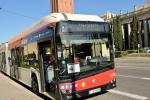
(34, 83)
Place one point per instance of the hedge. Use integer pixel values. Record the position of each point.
(132, 51)
(142, 52)
(120, 53)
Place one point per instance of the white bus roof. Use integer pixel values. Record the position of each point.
(55, 17)
(75, 17)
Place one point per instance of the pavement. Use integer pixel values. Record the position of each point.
(133, 83)
(10, 90)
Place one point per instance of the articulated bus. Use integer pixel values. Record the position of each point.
(64, 56)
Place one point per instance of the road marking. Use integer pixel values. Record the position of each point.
(130, 67)
(129, 76)
(129, 95)
(135, 77)
(146, 78)
(135, 68)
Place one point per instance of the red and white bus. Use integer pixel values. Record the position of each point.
(64, 56)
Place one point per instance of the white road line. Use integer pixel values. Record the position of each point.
(129, 95)
(129, 76)
(146, 78)
(135, 77)
(135, 68)
(129, 67)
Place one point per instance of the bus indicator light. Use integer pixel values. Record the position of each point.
(83, 84)
(93, 80)
(76, 85)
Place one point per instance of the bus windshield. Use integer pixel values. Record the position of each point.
(83, 51)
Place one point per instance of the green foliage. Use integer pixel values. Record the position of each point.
(139, 55)
(117, 33)
(142, 51)
(135, 36)
(120, 53)
(132, 51)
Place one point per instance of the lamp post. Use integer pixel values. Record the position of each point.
(138, 48)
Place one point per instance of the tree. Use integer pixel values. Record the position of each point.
(117, 33)
(135, 36)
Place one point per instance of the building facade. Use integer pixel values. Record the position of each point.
(143, 14)
(108, 15)
(62, 6)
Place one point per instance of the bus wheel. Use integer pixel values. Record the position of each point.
(34, 84)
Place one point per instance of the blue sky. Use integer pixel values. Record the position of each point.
(16, 15)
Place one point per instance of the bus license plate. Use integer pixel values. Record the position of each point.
(95, 91)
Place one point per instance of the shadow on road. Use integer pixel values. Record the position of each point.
(94, 95)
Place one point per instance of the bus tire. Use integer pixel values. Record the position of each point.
(34, 84)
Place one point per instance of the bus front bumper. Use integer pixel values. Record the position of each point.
(90, 92)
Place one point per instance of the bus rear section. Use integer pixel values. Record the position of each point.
(4, 62)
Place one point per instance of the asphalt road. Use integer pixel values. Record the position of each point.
(133, 83)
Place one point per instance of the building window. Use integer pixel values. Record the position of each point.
(148, 24)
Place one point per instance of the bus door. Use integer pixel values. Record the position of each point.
(3, 62)
(46, 67)
(14, 64)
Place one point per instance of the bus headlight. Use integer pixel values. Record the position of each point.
(67, 88)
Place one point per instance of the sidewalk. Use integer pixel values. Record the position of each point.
(10, 90)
